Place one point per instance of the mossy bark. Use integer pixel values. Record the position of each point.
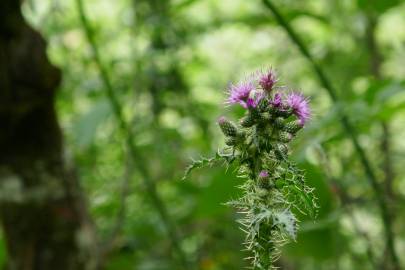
(44, 220)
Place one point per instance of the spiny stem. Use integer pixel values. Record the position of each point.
(385, 215)
(273, 186)
(133, 151)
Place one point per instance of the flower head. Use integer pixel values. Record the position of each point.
(254, 99)
(299, 104)
(263, 174)
(245, 94)
(267, 79)
(277, 101)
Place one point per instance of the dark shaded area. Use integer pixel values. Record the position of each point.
(41, 210)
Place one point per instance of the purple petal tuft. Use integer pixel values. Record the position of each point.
(245, 94)
(263, 174)
(299, 104)
(240, 93)
(277, 101)
(267, 79)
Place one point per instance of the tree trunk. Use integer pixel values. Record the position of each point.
(45, 223)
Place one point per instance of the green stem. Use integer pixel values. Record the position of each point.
(138, 161)
(325, 82)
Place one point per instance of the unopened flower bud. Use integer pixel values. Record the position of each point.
(228, 128)
(265, 117)
(293, 126)
(258, 116)
(281, 151)
(263, 179)
(247, 121)
(285, 136)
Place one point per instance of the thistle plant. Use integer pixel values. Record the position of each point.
(274, 188)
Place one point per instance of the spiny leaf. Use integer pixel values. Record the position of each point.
(204, 162)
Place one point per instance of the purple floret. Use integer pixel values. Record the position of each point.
(244, 93)
(263, 174)
(267, 79)
(277, 101)
(299, 104)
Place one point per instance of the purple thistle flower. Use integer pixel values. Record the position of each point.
(277, 101)
(240, 92)
(267, 79)
(245, 94)
(263, 174)
(299, 104)
(254, 99)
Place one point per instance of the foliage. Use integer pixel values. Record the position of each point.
(169, 63)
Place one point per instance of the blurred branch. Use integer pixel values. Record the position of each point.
(347, 203)
(325, 82)
(139, 161)
(108, 245)
(375, 56)
(387, 167)
(375, 67)
(184, 4)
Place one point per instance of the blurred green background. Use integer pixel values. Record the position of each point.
(169, 64)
